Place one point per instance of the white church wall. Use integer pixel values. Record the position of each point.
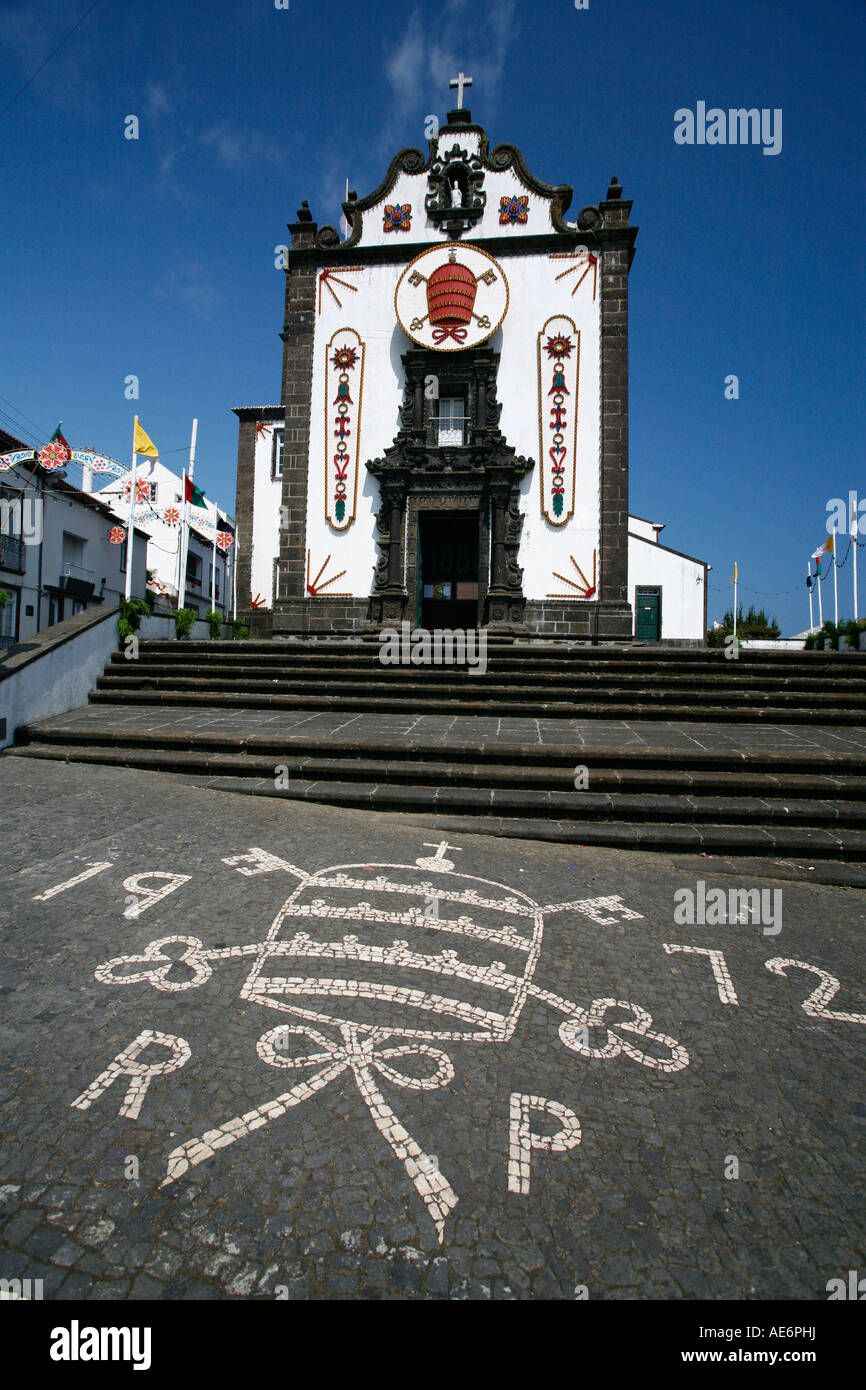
(265, 539)
(535, 295)
(681, 580)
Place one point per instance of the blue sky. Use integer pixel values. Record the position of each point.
(155, 257)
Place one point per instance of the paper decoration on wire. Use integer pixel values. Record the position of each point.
(16, 456)
(117, 535)
(558, 377)
(171, 516)
(56, 453)
(344, 375)
(224, 539)
(98, 463)
(330, 277)
(315, 586)
(582, 590)
(582, 260)
(157, 586)
(142, 490)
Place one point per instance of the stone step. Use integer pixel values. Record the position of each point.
(570, 677)
(616, 758)
(481, 688)
(393, 792)
(779, 712)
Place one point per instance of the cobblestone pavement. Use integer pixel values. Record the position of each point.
(321, 1053)
(456, 728)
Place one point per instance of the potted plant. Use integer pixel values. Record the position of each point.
(215, 622)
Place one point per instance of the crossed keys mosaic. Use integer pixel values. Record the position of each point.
(375, 970)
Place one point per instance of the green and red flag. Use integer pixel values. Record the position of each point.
(193, 494)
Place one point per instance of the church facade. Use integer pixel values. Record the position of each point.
(451, 443)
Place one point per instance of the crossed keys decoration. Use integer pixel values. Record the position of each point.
(451, 297)
(374, 968)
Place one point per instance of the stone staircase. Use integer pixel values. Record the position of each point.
(538, 681)
(736, 767)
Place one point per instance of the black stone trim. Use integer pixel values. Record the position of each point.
(401, 253)
(268, 413)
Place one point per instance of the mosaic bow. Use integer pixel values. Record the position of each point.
(361, 1054)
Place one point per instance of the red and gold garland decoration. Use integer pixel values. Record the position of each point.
(117, 535)
(344, 374)
(224, 539)
(558, 376)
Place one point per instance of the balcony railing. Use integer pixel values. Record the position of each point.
(448, 431)
(12, 554)
(68, 571)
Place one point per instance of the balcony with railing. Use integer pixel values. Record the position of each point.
(448, 431)
(12, 556)
(77, 581)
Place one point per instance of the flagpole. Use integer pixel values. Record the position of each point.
(820, 599)
(836, 572)
(213, 565)
(130, 531)
(855, 527)
(809, 591)
(735, 598)
(181, 586)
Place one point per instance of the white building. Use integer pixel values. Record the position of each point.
(158, 513)
(56, 552)
(668, 590)
(451, 443)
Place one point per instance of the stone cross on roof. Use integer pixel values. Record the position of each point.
(460, 81)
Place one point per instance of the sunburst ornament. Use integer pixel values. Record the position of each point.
(583, 260)
(582, 590)
(315, 586)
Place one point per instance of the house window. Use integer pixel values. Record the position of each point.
(193, 571)
(73, 551)
(451, 420)
(277, 455)
(122, 549)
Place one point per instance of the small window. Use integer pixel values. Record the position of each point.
(277, 456)
(451, 422)
(122, 549)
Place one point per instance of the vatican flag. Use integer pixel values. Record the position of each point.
(143, 444)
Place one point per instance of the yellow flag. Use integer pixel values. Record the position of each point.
(143, 444)
(829, 544)
(735, 569)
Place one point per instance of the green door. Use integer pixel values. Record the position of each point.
(647, 617)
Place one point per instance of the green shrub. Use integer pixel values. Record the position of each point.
(131, 613)
(215, 620)
(240, 631)
(4, 598)
(183, 621)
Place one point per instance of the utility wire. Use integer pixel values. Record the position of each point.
(34, 75)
